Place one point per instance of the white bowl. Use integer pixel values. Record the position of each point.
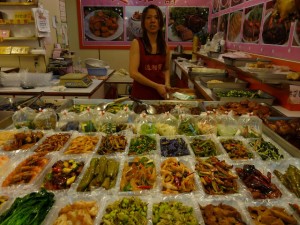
(94, 63)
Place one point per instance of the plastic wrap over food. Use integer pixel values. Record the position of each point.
(24, 118)
(206, 123)
(166, 124)
(46, 119)
(68, 121)
(86, 121)
(250, 126)
(227, 125)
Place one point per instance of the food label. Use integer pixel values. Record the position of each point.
(294, 97)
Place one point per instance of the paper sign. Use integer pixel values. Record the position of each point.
(294, 97)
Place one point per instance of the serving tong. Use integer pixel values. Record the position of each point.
(30, 101)
(150, 109)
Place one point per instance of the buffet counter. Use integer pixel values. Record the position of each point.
(182, 72)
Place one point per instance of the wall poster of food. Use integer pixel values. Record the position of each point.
(216, 6)
(236, 2)
(184, 22)
(223, 24)
(252, 22)
(265, 27)
(214, 26)
(115, 23)
(235, 26)
(224, 4)
(103, 23)
(296, 37)
(275, 31)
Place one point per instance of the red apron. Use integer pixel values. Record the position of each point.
(151, 66)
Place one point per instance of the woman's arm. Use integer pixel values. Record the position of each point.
(134, 62)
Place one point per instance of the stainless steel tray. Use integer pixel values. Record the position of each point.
(287, 146)
(227, 82)
(215, 104)
(195, 73)
(238, 62)
(263, 97)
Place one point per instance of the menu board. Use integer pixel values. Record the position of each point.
(115, 23)
(255, 26)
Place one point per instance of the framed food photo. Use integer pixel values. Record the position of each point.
(252, 24)
(184, 22)
(235, 26)
(296, 36)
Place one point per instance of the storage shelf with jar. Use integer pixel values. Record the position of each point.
(18, 32)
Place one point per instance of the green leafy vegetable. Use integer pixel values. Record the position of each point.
(28, 210)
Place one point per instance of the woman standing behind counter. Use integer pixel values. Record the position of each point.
(149, 58)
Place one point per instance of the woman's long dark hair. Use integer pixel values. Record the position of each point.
(160, 41)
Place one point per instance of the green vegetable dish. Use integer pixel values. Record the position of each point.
(173, 212)
(142, 144)
(204, 148)
(129, 210)
(30, 209)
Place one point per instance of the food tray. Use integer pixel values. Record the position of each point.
(289, 144)
(237, 62)
(273, 112)
(263, 97)
(206, 72)
(93, 102)
(227, 82)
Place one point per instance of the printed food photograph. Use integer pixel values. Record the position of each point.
(235, 25)
(216, 6)
(236, 2)
(275, 31)
(224, 4)
(223, 24)
(214, 25)
(184, 22)
(296, 41)
(103, 23)
(252, 22)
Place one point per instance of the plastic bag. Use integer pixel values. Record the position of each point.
(105, 122)
(187, 125)
(166, 124)
(227, 125)
(46, 119)
(86, 121)
(250, 126)
(179, 110)
(68, 121)
(24, 118)
(206, 124)
(145, 124)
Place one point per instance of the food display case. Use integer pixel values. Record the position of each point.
(195, 157)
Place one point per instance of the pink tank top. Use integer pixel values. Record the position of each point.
(151, 66)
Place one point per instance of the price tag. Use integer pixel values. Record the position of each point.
(5, 50)
(294, 97)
